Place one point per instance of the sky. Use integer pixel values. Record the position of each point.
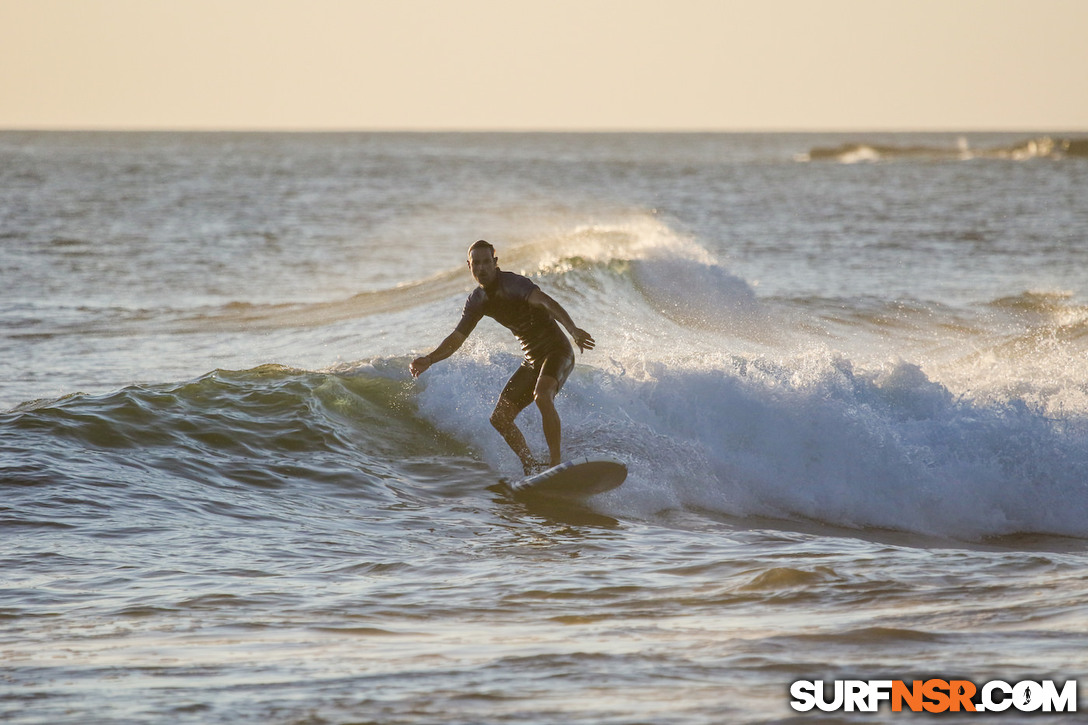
(595, 65)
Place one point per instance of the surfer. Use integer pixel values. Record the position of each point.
(519, 305)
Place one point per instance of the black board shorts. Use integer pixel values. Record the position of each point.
(519, 389)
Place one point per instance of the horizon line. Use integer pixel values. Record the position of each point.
(531, 130)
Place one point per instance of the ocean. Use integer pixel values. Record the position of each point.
(848, 374)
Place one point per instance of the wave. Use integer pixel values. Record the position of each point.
(1042, 147)
(1057, 304)
(270, 427)
(637, 264)
(638, 259)
(811, 439)
(982, 448)
(650, 286)
(651, 273)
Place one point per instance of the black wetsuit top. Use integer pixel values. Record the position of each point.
(506, 301)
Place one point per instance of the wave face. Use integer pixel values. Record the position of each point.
(809, 439)
(262, 428)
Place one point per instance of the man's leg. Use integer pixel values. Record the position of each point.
(515, 397)
(503, 420)
(553, 373)
(544, 395)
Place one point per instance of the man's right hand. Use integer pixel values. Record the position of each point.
(449, 346)
(419, 366)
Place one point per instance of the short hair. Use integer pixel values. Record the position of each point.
(481, 244)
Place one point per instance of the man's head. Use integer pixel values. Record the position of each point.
(483, 263)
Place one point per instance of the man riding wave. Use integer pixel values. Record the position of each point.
(518, 304)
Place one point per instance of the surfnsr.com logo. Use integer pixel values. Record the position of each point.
(934, 696)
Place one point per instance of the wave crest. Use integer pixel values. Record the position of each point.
(1041, 147)
(886, 448)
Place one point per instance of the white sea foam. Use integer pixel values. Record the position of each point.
(708, 395)
(888, 448)
(807, 439)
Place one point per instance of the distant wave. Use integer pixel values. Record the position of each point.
(1047, 303)
(1042, 147)
(639, 259)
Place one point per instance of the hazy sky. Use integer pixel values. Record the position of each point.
(545, 64)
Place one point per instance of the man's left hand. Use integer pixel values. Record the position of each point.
(583, 339)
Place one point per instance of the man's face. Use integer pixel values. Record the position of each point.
(483, 265)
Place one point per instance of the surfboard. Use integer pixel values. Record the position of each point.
(578, 478)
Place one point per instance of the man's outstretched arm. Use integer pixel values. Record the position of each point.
(446, 348)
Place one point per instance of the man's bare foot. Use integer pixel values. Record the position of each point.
(534, 467)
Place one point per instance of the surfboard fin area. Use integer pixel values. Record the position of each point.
(581, 477)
